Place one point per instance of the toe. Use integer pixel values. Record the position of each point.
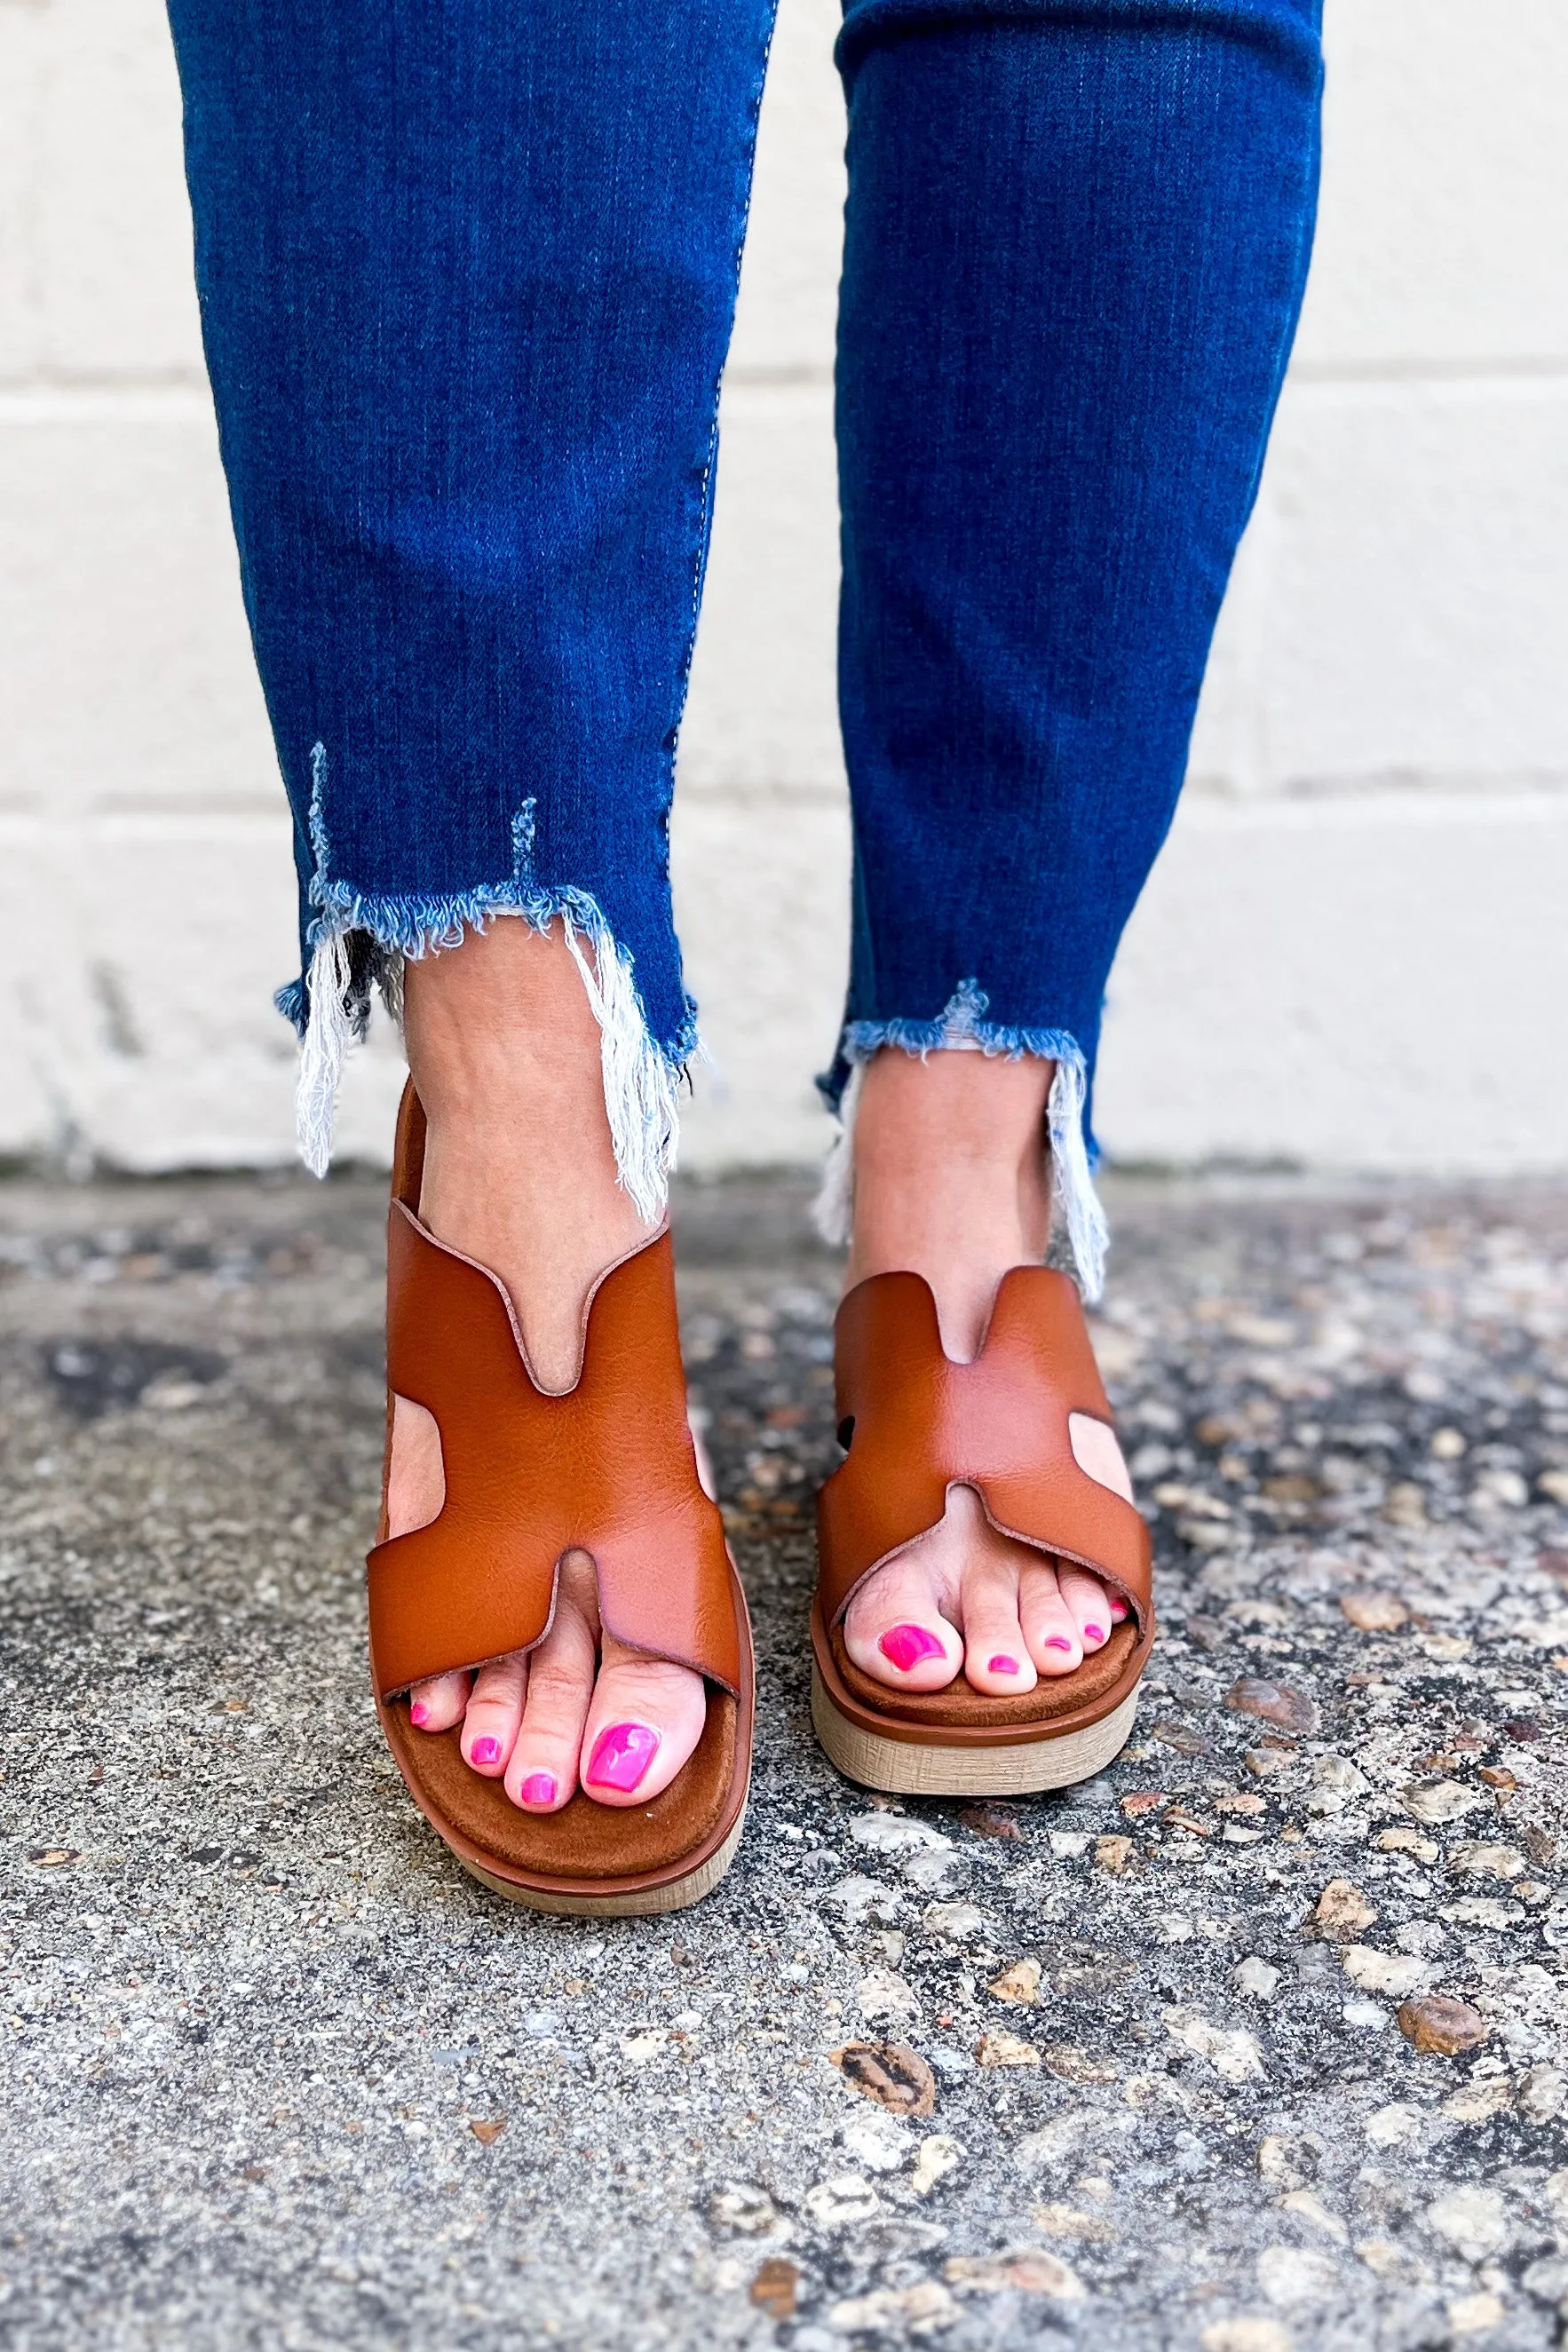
(895, 1629)
(1050, 1629)
(995, 1655)
(494, 1712)
(437, 1704)
(646, 1718)
(541, 1770)
(1087, 1604)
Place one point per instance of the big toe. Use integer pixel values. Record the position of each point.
(645, 1720)
(894, 1630)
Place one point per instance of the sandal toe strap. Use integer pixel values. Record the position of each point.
(607, 1467)
(1001, 1424)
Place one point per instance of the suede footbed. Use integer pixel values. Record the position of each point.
(961, 1704)
(584, 1840)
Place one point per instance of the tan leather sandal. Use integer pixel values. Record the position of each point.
(609, 1466)
(916, 1424)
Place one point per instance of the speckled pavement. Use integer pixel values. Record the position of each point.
(278, 2073)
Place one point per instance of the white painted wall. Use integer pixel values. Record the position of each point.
(1353, 952)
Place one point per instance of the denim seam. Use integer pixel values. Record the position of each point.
(710, 467)
(1293, 48)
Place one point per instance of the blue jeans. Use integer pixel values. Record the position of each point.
(468, 271)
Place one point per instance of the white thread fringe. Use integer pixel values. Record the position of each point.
(1087, 1231)
(328, 1033)
(639, 1083)
(833, 1210)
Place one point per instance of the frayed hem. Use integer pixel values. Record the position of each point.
(833, 1210)
(961, 1026)
(356, 940)
(961, 1023)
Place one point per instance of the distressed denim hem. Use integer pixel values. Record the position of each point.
(962, 1027)
(357, 940)
(354, 939)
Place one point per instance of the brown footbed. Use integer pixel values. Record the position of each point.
(962, 1706)
(584, 1840)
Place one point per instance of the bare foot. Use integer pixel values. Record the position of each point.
(520, 1173)
(951, 1182)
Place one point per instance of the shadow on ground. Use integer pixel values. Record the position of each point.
(1258, 2041)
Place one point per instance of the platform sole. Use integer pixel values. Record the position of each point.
(906, 1768)
(636, 1903)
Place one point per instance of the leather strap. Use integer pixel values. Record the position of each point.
(609, 1468)
(998, 1424)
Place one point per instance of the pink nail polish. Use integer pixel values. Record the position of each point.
(621, 1755)
(539, 1789)
(1094, 1632)
(1118, 1611)
(419, 1714)
(485, 1751)
(1058, 1641)
(1003, 1665)
(908, 1645)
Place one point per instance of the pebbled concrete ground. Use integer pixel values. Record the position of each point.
(278, 2073)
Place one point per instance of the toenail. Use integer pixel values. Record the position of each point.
(485, 1751)
(419, 1713)
(909, 1646)
(1094, 1632)
(539, 1789)
(1118, 1611)
(1058, 1641)
(621, 1755)
(1003, 1665)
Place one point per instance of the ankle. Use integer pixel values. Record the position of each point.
(507, 1057)
(964, 1272)
(492, 1094)
(543, 1211)
(951, 1196)
(519, 1166)
(952, 1180)
(970, 1125)
(501, 1030)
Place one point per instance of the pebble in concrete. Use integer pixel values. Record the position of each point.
(1295, 2061)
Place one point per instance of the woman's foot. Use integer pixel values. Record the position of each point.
(951, 1182)
(520, 1174)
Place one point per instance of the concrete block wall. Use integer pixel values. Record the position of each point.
(1354, 951)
